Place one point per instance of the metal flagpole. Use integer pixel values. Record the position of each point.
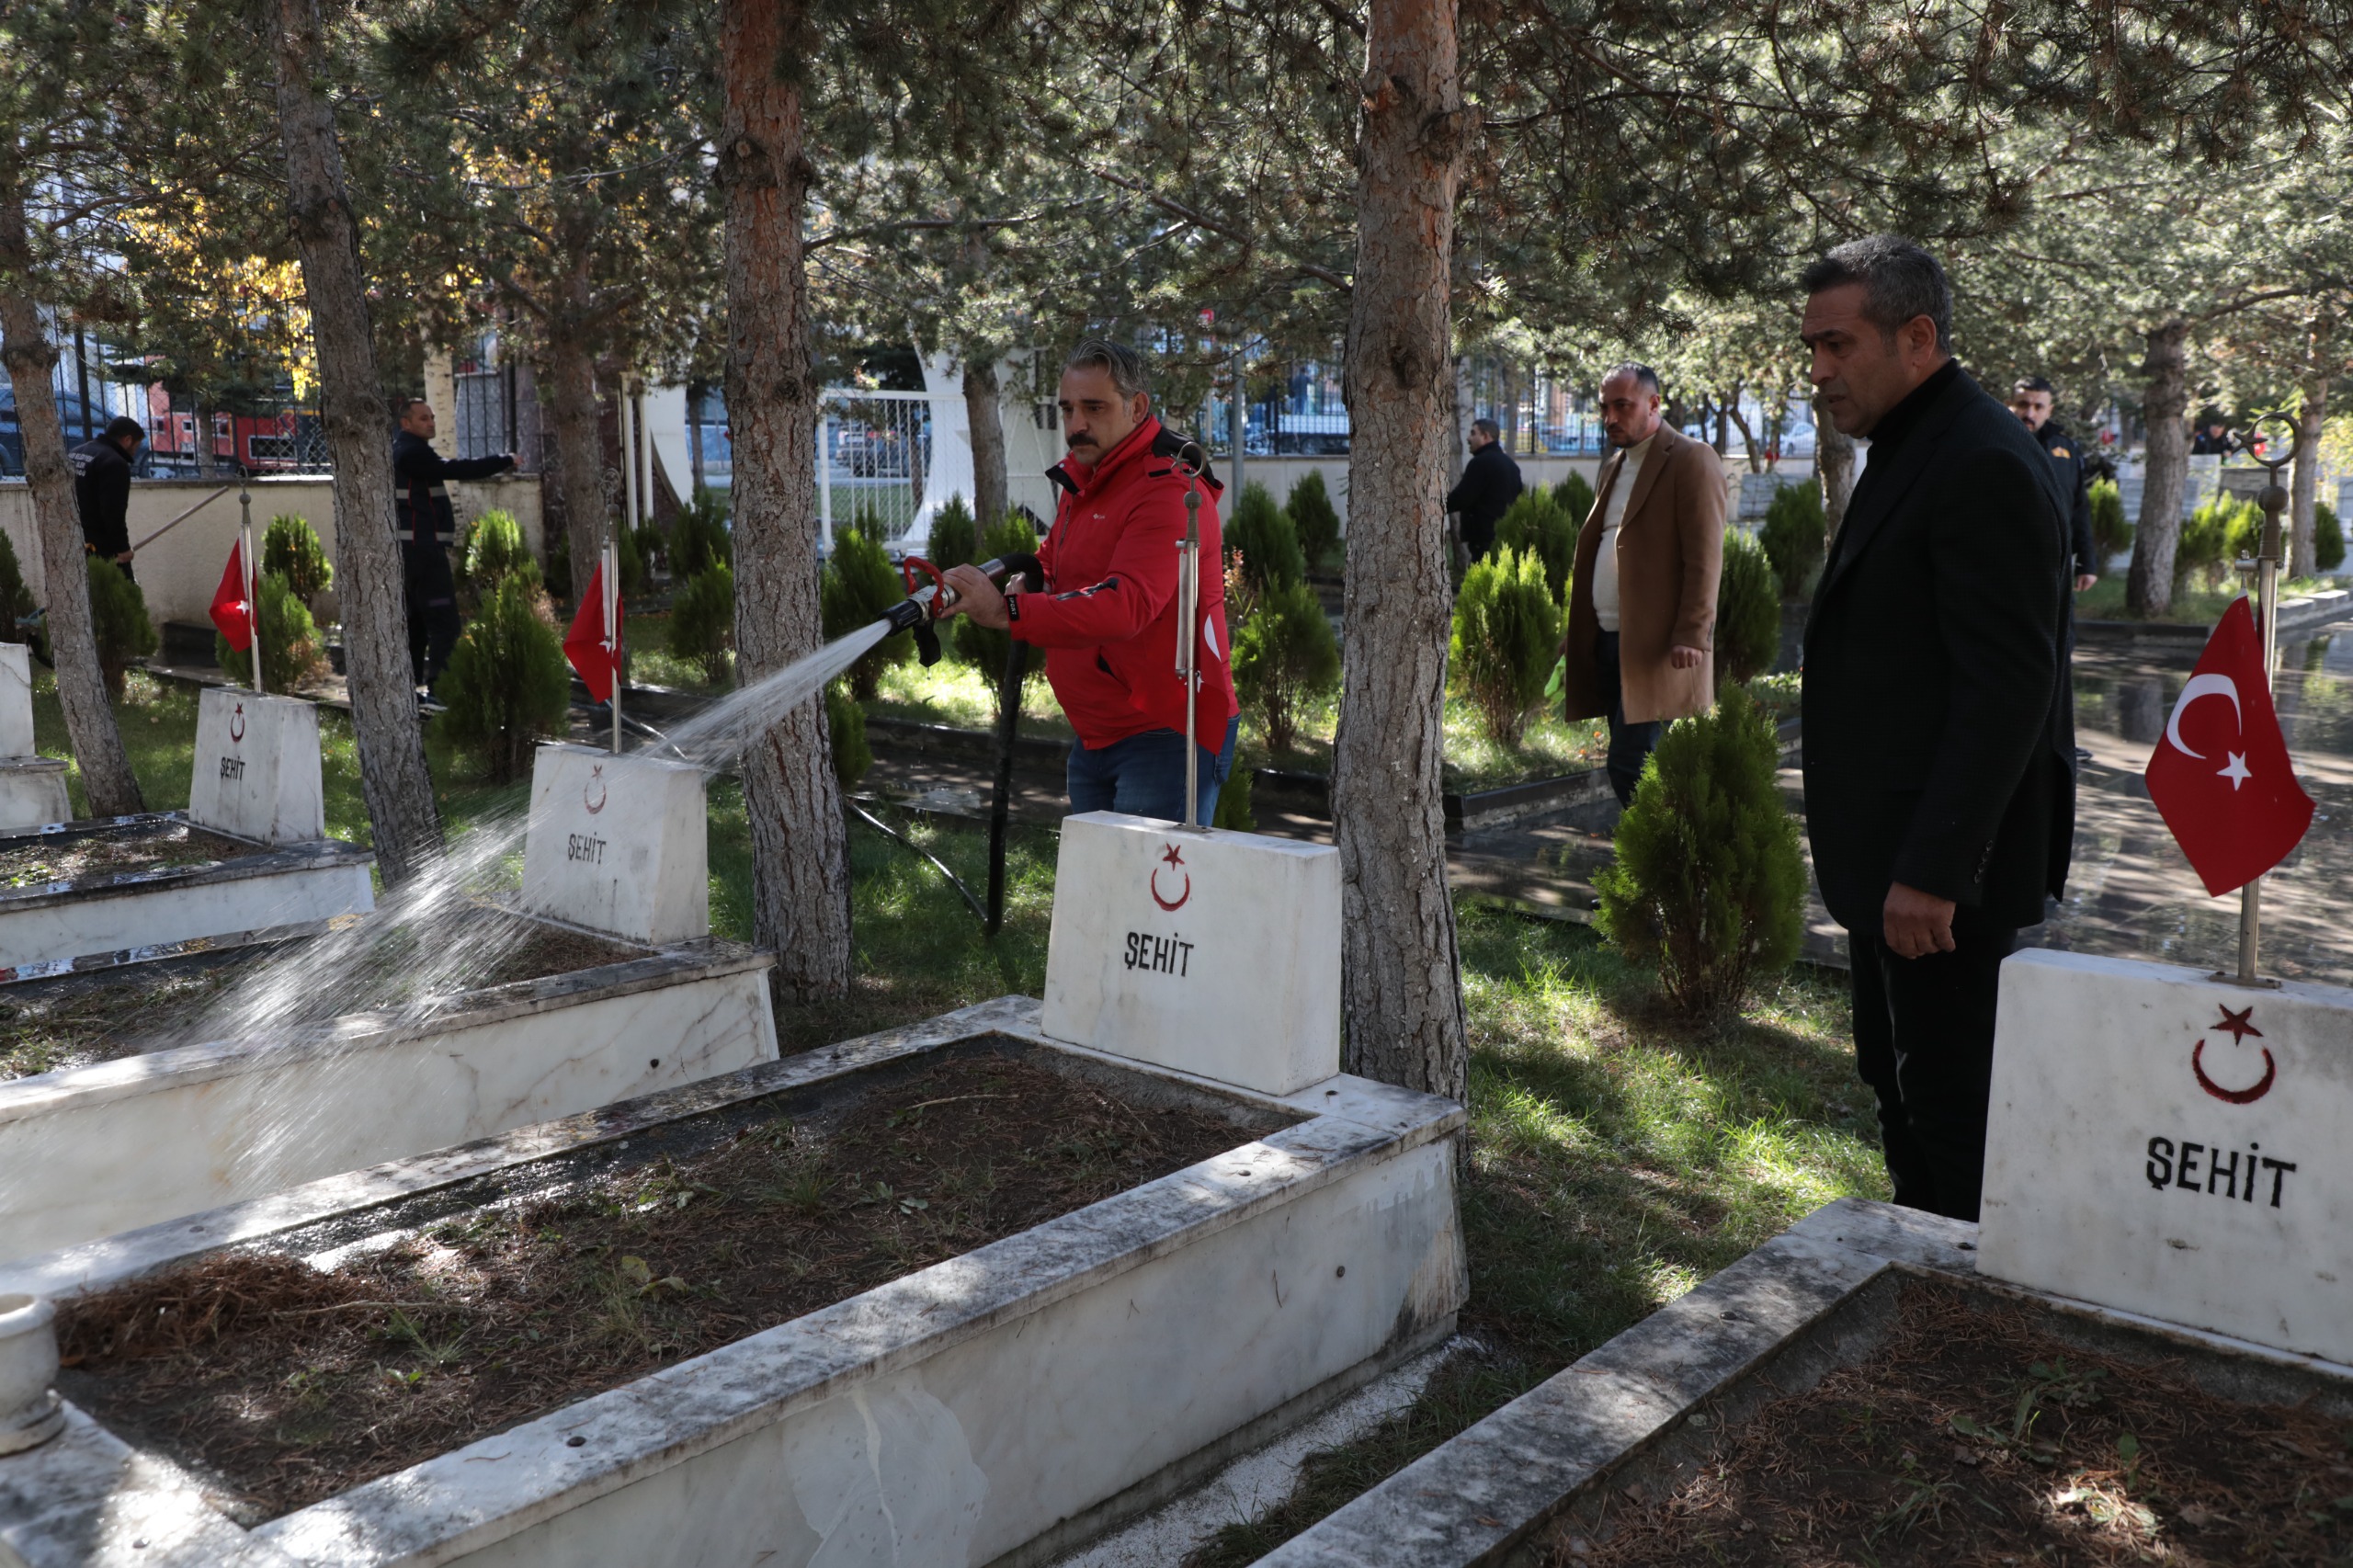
(611, 576)
(251, 571)
(1189, 631)
(2273, 499)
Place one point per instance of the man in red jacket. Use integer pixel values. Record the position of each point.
(1107, 613)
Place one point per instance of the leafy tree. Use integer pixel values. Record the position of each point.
(698, 538)
(291, 551)
(2329, 546)
(1748, 607)
(702, 622)
(1507, 623)
(1534, 524)
(2112, 534)
(954, 536)
(1313, 518)
(1262, 534)
(1708, 882)
(494, 549)
(1284, 656)
(1574, 495)
(1792, 537)
(508, 687)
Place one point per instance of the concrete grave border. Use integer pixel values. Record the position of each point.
(373, 1083)
(287, 885)
(705, 1443)
(1486, 1496)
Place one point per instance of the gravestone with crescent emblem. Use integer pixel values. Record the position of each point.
(1214, 953)
(256, 771)
(619, 844)
(2170, 1144)
(32, 788)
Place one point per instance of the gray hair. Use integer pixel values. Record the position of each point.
(1125, 367)
(1641, 375)
(1899, 282)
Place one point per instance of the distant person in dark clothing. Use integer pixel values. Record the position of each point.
(2213, 438)
(2030, 400)
(102, 489)
(425, 523)
(1490, 484)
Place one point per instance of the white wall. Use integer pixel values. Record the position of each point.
(179, 572)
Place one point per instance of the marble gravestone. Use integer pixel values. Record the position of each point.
(256, 771)
(32, 788)
(619, 844)
(2175, 1147)
(1213, 953)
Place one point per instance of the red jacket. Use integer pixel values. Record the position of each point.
(1107, 615)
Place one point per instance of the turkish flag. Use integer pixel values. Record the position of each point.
(2220, 775)
(231, 611)
(585, 644)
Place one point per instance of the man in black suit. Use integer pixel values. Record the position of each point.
(1939, 729)
(1490, 484)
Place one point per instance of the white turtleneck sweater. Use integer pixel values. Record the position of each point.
(1605, 558)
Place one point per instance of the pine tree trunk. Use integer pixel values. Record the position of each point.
(579, 453)
(106, 778)
(1833, 462)
(1403, 992)
(800, 847)
(2303, 499)
(983, 415)
(2149, 590)
(392, 776)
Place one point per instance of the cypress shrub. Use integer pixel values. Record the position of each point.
(1283, 657)
(1708, 884)
(119, 617)
(699, 539)
(702, 622)
(633, 565)
(983, 647)
(1507, 628)
(1534, 524)
(291, 551)
(1313, 518)
(2112, 534)
(859, 588)
(2205, 546)
(950, 543)
(290, 640)
(2328, 540)
(846, 724)
(1233, 809)
(17, 600)
(1574, 496)
(494, 547)
(1262, 534)
(1792, 537)
(653, 547)
(508, 687)
(1748, 609)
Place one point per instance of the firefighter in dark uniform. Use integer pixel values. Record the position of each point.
(2030, 400)
(102, 489)
(425, 523)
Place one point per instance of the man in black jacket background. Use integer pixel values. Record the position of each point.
(102, 489)
(425, 523)
(2031, 398)
(1490, 484)
(1939, 727)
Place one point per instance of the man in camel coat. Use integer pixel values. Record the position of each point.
(1640, 649)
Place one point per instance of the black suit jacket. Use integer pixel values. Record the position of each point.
(1939, 725)
(2067, 455)
(1490, 484)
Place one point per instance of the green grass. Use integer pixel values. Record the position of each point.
(2192, 606)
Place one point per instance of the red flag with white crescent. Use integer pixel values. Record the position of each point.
(230, 610)
(585, 645)
(2220, 776)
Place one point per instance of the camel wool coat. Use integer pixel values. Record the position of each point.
(1670, 550)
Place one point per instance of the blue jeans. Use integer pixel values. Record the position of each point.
(1630, 744)
(1144, 775)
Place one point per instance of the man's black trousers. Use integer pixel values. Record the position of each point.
(432, 632)
(1630, 744)
(1923, 1041)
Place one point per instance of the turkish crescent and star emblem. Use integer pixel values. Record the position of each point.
(2238, 1026)
(1173, 860)
(2221, 776)
(593, 794)
(237, 724)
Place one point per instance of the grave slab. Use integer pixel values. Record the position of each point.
(619, 844)
(32, 788)
(15, 700)
(1213, 953)
(256, 771)
(961, 1414)
(2173, 1145)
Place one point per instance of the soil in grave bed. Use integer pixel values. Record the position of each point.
(62, 858)
(1972, 1436)
(47, 1026)
(281, 1384)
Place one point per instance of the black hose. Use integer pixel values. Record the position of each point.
(879, 826)
(1008, 722)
